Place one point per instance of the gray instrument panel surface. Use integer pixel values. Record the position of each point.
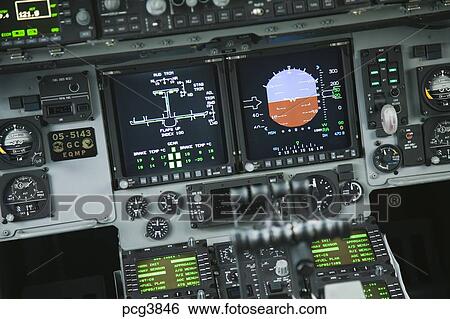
(92, 176)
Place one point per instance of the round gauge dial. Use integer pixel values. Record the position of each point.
(16, 142)
(25, 197)
(436, 89)
(439, 144)
(351, 192)
(168, 202)
(158, 228)
(387, 158)
(322, 190)
(136, 207)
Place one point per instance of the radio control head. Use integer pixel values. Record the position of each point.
(156, 7)
(111, 5)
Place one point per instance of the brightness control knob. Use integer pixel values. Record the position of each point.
(83, 17)
(221, 3)
(191, 3)
(282, 268)
(111, 5)
(156, 7)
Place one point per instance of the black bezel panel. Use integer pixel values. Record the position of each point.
(111, 121)
(353, 151)
(131, 257)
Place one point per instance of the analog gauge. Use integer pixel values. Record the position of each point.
(436, 88)
(387, 158)
(25, 197)
(439, 143)
(168, 202)
(136, 207)
(351, 192)
(158, 228)
(322, 191)
(16, 142)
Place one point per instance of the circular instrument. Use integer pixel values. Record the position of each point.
(25, 197)
(436, 88)
(387, 158)
(136, 207)
(439, 143)
(351, 192)
(168, 202)
(16, 142)
(158, 228)
(322, 190)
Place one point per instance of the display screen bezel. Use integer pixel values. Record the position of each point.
(346, 50)
(113, 128)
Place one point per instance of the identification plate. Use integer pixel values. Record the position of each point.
(72, 144)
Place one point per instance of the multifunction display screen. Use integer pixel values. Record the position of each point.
(170, 120)
(294, 103)
(28, 19)
(339, 252)
(168, 272)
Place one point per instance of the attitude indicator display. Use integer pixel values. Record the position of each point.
(294, 103)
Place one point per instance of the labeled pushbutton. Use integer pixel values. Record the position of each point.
(392, 70)
(374, 76)
(382, 59)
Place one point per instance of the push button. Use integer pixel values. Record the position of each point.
(313, 5)
(224, 16)
(328, 4)
(238, 14)
(180, 22)
(299, 6)
(280, 9)
(210, 18)
(195, 19)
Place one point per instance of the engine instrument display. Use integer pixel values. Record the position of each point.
(25, 196)
(168, 272)
(29, 19)
(171, 122)
(295, 103)
(337, 252)
(437, 140)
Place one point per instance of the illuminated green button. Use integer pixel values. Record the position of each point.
(32, 32)
(55, 30)
(393, 81)
(375, 72)
(382, 60)
(376, 83)
(6, 34)
(18, 33)
(392, 70)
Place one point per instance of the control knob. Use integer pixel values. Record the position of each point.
(282, 268)
(111, 5)
(83, 17)
(191, 3)
(221, 3)
(156, 7)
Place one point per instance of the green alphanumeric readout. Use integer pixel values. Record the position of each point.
(168, 272)
(376, 290)
(347, 251)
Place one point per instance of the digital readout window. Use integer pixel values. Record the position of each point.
(376, 290)
(169, 272)
(338, 252)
